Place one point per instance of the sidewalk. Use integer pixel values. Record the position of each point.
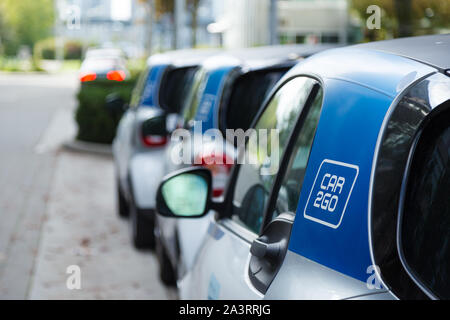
(83, 229)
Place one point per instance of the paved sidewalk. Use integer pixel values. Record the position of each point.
(82, 229)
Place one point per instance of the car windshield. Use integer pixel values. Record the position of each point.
(100, 64)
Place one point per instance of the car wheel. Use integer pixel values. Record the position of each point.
(142, 233)
(166, 272)
(122, 204)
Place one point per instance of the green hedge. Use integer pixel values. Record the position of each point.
(45, 49)
(95, 122)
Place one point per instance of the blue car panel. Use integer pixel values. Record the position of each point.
(331, 220)
(207, 110)
(345, 64)
(150, 94)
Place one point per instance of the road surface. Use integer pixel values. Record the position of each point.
(57, 207)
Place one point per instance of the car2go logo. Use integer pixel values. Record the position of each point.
(330, 193)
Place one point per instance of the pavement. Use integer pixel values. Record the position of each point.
(57, 206)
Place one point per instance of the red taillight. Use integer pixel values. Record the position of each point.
(116, 75)
(154, 140)
(89, 76)
(220, 165)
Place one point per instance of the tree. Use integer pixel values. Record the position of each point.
(402, 18)
(27, 22)
(403, 12)
(192, 6)
(164, 7)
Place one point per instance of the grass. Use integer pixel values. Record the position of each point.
(16, 65)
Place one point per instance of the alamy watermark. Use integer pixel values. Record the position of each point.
(73, 281)
(373, 282)
(374, 20)
(257, 147)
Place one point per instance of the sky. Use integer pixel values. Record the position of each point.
(120, 9)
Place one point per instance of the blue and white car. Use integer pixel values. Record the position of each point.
(359, 207)
(227, 92)
(141, 138)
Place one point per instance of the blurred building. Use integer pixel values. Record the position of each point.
(323, 21)
(244, 23)
(103, 22)
(228, 23)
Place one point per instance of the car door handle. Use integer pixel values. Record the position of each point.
(261, 249)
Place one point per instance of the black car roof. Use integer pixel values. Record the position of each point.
(432, 50)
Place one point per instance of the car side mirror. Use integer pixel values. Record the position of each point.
(114, 103)
(185, 193)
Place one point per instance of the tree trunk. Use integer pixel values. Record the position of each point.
(194, 18)
(403, 10)
(151, 15)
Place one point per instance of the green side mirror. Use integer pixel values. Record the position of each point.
(185, 193)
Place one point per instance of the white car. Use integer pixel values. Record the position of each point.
(139, 145)
(227, 93)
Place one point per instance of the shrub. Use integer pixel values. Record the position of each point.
(45, 49)
(73, 50)
(95, 123)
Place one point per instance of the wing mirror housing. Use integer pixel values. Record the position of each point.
(186, 193)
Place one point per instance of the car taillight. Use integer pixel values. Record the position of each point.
(220, 165)
(154, 140)
(116, 75)
(88, 76)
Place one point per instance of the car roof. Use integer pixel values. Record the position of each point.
(104, 53)
(263, 57)
(432, 50)
(367, 65)
(182, 58)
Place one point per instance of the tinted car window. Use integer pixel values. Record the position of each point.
(139, 88)
(289, 192)
(174, 88)
(193, 97)
(425, 228)
(253, 184)
(246, 96)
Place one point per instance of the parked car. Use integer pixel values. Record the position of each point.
(101, 52)
(359, 207)
(141, 137)
(103, 65)
(227, 93)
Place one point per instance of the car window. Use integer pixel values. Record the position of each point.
(193, 97)
(174, 87)
(425, 227)
(253, 184)
(139, 88)
(289, 192)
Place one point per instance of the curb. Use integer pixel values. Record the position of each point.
(88, 147)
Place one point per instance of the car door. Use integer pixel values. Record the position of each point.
(122, 145)
(243, 251)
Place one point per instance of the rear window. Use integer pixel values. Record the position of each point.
(101, 64)
(245, 96)
(425, 225)
(174, 88)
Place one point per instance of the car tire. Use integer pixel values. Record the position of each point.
(123, 209)
(166, 271)
(142, 227)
